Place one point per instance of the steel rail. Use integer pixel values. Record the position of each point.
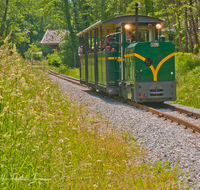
(188, 113)
(160, 114)
(65, 77)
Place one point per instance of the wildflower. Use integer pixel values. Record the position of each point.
(99, 161)
(1, 97)
(60, 149)
(37, 99)
(5, 108)
(95, 185)
(70, 153)
(61, 141)
(60, 132)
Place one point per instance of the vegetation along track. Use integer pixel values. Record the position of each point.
(149, 107)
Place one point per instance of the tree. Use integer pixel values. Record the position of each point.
(4, 20)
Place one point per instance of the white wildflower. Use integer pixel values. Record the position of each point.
(5, 109)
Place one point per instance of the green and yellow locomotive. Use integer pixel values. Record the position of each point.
(127, 56)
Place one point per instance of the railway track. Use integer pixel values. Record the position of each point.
(149, 108)
(65, 77)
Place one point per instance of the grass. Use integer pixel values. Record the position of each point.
(188, 79)
(73, 72)
(51, 142)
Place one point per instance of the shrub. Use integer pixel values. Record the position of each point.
(196, 49)
(54, 59)
(185, 63)
(188, 90)
(34, 52)
(188, 79)
(69, 52)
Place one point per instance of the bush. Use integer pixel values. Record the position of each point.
(54, 59)
(69, 52)
(188, 79)
(189, 88)
(196, 49)
(34, 52)
(185, 63)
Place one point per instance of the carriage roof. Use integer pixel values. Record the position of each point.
(112, 22)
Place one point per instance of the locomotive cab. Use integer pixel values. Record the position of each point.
(148, 68)
(145, 33)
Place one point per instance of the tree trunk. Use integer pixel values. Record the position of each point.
(196, 21)
(177, 11)
(192, 25)
(4, 20)
(152, 12)
(168, 20)
(146, 7)
(69, 26)
(187, 33)
(76, 16)
(125, 5)
(186, 42)
(121, 7)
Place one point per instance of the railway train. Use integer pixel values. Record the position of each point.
(128, 56)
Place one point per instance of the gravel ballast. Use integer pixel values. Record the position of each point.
(164, 140)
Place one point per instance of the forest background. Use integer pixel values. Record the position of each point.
(29, 19)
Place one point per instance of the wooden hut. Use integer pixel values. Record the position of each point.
(53, 37)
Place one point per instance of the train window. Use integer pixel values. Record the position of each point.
(130, 36)
(143, 34)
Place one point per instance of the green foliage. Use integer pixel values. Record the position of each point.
(188, 79)
(186, 62)
(34, 53)
(188, 91)
(46, 49)
(73, 72)
(196, 49)
(69, 52)
(54, 59)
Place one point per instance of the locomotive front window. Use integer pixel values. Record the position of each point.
(143, 34)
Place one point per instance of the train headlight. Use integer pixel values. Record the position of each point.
(158, 26)
(127, 26)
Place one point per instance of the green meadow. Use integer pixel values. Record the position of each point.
(188, 79)
(51, 142)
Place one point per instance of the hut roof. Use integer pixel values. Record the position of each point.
(53, 36)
